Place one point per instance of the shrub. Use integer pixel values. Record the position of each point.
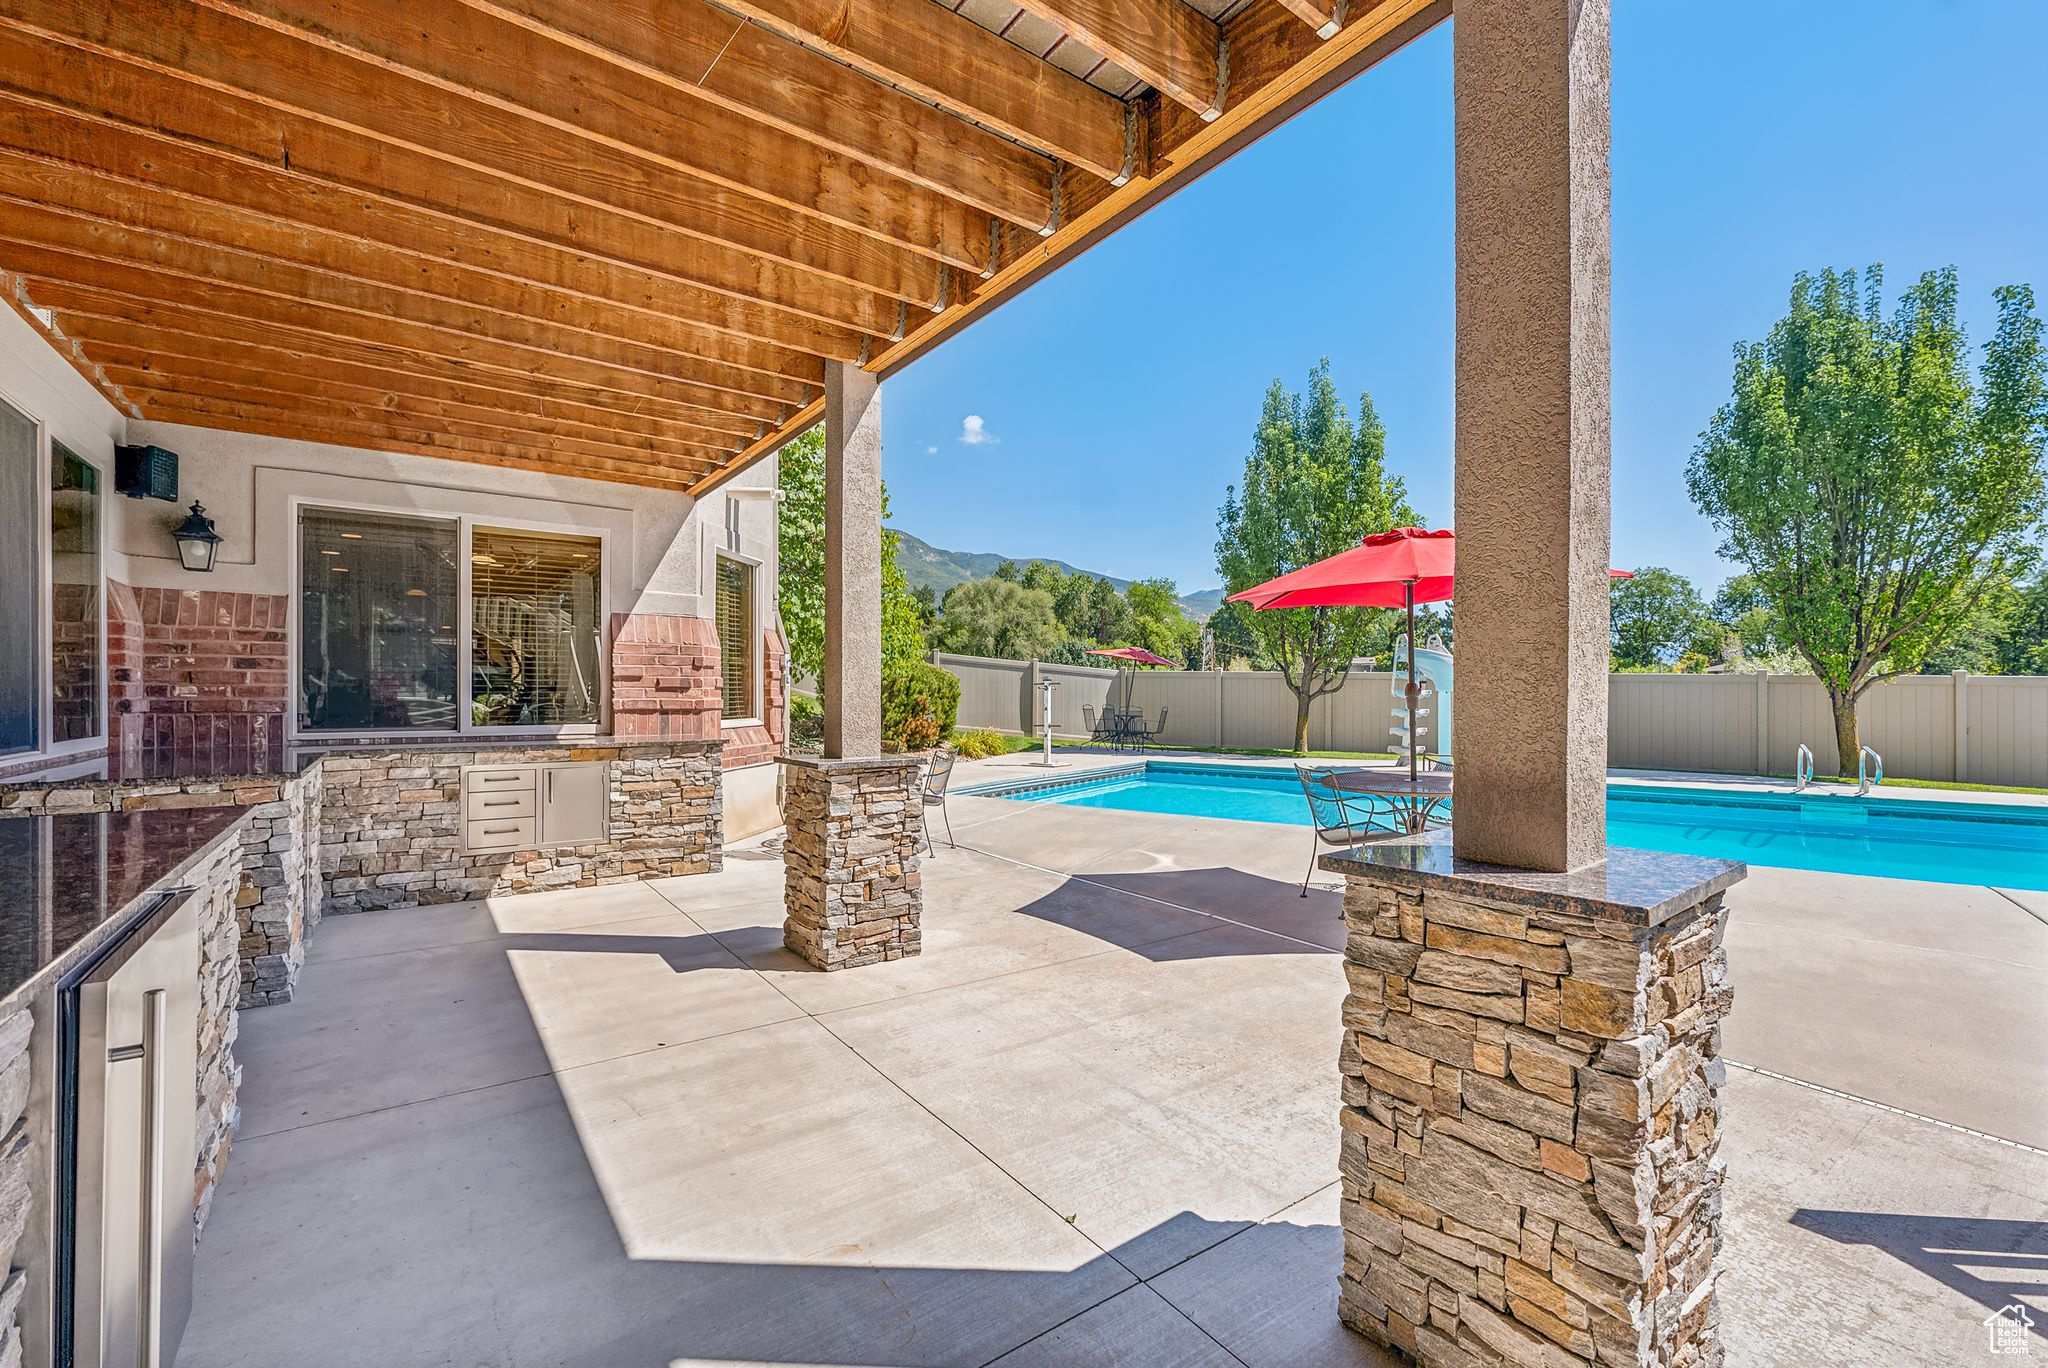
(981, 743)
(919, 703)
(806, 722)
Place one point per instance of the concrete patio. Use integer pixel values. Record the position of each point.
(1093, 1123)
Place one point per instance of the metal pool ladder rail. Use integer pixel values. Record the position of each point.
(1865, 781)
(1802, 768)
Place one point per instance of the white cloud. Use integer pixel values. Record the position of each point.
(931, 450)
(974, 432)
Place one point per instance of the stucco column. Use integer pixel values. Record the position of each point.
(853, 562)
(1530, 84)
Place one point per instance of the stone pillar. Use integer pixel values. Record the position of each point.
(852, 892)
(1530, 93)
(853, 562)
(1531, 1113)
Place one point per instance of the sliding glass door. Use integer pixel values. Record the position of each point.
(21, 582)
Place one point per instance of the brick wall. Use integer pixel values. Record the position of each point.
(759, 745)
(197, 676)
(664, 677)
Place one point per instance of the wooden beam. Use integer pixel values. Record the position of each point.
(315, 322)
(350, 88)
(129, 352)
(679, 226)
(530, 288)
(15, 291)
(145, 169)
(1325, 17)
(99, 319)
(186, 269)
(1171, 45)
(341, 402)
(957, 64)
(706, 52)
(447, 50)
(409, 439)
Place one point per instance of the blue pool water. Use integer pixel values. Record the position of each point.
(1965, 843)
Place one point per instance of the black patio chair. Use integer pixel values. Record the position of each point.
(1341, 819)
(1102, 728)
(1145, 736)
(938, 774)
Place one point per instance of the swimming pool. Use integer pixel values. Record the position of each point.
(1900, 838)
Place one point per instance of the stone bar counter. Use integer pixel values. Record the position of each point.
(360, 826)
(1531, 1075)
(72, 885)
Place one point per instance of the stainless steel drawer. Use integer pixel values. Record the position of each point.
(497, 803)
(512, 833)
(489, 780)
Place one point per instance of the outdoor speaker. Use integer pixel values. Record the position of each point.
(146, 472)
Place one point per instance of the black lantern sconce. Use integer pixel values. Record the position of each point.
(197, 541)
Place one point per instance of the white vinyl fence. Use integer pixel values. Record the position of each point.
(1982, 729)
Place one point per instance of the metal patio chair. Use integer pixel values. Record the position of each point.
(1341, 819)
(938, 774)
(1101, 727)
(1145, 736)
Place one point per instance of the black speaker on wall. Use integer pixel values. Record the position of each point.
(146, 472)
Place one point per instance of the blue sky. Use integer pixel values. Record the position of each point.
(1114, 401)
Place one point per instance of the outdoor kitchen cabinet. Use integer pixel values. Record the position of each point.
(528, 807)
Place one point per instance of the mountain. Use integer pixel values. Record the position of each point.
(923, 563)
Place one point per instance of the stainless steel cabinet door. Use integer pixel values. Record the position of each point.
(575, 801)
(138, 1047)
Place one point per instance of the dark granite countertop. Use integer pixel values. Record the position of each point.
(1642, 887)
(68, 882)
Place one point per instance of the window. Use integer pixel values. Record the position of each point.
(735, 610)
(75, 598)
(378, 599)
(535, 636)
(21, 606)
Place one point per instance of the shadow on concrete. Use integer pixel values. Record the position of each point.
(1198, 898)
(1991, 1262)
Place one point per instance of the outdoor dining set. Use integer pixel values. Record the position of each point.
(1122, 730)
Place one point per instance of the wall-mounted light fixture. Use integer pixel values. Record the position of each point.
(197, 541)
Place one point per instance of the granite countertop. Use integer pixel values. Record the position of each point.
(68, 881)
(1641, 887)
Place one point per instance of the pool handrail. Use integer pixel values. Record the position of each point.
(1802, 768)
(1864, 782)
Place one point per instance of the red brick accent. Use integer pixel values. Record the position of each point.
(665, 682)
(197, 674)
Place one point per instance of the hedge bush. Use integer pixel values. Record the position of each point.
(919, 704)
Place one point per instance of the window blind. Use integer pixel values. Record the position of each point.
(735, 609)
(75, 608)
(535, 639)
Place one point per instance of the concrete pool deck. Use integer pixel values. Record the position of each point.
(1093, 1123)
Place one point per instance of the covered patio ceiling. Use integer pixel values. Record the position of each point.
(617, 239)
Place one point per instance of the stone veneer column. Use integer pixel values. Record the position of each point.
(1531, 1114)
(852, 893)
(1530, 84)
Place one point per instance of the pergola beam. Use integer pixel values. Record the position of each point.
(707, 53)
(220, 48)
(960, 66)
(139, 288)
(1171, 45)
(1324, 16)
(680, 225)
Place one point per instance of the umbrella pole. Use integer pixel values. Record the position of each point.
(1414, 689)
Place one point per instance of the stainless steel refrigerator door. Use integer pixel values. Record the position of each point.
(138, 1047)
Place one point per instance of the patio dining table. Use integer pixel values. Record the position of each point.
(1419, 802)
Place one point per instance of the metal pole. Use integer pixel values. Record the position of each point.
(1414, 689)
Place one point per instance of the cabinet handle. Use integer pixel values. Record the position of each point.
(499, 831)
(551, 786)
(501, 802)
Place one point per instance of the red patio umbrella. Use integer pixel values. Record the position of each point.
(1136, 655)
(1396, 569)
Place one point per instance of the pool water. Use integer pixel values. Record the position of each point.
(1962, 843)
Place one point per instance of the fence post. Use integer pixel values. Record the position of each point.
(1030, 692)
(1221, 744)
(1962, 714)
(1763, 723)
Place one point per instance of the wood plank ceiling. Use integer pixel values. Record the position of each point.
(610, 238)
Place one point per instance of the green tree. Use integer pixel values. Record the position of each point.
(1875, 493)
(1313, 485)
(1159, 624)
(999, 619)
(2023, 645)
(1745, 614)
(1655, 618)
(800, 581)
(1008, 571)
(1046, 576)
